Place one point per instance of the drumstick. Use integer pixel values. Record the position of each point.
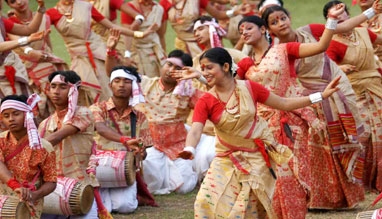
(30, 208)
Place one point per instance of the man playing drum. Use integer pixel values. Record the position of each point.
(113, 122)
(27, 162)
(70, 130)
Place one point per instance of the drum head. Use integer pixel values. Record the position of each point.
(365, 215)
(87, 199)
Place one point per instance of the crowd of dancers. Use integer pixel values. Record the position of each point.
(278, 123)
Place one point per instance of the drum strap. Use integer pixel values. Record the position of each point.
(30, 185)
(16, 151)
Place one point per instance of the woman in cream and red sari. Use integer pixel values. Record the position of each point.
(240, 182)
(13, 75)
(301, 130)
(181, 14)
(72, 19)
(353, 52)
(344, 126)
(109, 9)
(37, 57)
(147, 53)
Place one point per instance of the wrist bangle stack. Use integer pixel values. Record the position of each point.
(331, 24)
(112, 52)
(138, 34)
(27, 50)
(369, 13)
(123, 139)
(13, 183)
(23, 41)
(190, 149)
(230, 13)
(315, 97)
(202, 79)
(127, 54)
(140, 18)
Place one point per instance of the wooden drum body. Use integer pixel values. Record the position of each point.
(115, 168)
(11, 207)
(69, 198)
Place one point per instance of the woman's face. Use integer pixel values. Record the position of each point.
(202, 35)
(19, 5)
(279, 23)
(342, 17)
(251, 33)
(365, 3)
(213, 72)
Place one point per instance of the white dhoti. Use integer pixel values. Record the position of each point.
(164, 175)
(121, 200)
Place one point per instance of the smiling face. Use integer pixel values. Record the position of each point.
(279, 24)
(251, 33)
(19, 5)
(213, 72)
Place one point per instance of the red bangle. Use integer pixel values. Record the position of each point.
(123, 139)
(13, 183)
(112, 52)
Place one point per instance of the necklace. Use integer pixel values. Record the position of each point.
(25, 20)
(178, 11)
(66, 12)
(264, 54)
(233, 110)
(352, 37)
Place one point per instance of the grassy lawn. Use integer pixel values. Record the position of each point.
(181, 206)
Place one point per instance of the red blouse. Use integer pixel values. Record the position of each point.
(55, 15)
(209, 107)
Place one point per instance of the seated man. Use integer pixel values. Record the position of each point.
(168, 104)
(114, 126)
(27, 162)
(70, 130)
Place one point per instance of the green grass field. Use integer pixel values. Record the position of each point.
(302, 12)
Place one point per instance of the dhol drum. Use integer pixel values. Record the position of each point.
(69, 198)
(11, 207)
(115, 168)
(373, 214)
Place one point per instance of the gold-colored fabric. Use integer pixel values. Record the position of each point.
(228, 192)
(75, 35)
(147, 52)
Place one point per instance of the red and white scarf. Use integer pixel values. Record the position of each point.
(33, 136)
(215, 31)
(136, 91)
(72, 96)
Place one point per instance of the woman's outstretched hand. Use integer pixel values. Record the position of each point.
(185, 73)
(331, 88)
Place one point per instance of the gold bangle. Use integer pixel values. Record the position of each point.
(138, 34)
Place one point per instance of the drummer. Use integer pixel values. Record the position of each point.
(114, 131)
(27, 162)
(70, 130)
